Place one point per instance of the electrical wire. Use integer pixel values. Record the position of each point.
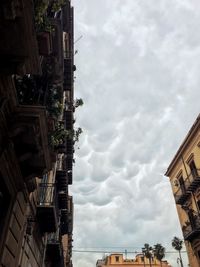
(120, 252)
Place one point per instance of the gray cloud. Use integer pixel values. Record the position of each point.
(138, 74)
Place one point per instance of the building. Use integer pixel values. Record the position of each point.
(117, 260)
(184, 175)
(36, 133)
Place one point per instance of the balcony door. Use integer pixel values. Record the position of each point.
(193, 169)
(182, 184)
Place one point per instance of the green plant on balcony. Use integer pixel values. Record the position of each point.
(71, 106)
(40, 11)
(55, 110)
(54, 101)
(76, 134)
(27, 89)
(45, 25)
(42, 22)
(57, 5)
(59, 135)
(78, 102)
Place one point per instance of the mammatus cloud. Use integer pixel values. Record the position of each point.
(138, 74)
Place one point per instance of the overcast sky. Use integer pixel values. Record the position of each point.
(138, 66)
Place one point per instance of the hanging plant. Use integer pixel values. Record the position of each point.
(59, 135)
(57, 5)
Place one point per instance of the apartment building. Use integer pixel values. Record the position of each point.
(118, 260)
(36, 149)
(184, 175)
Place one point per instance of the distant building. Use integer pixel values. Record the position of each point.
(117, 260)
(184, 174)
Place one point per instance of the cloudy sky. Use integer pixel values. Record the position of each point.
(138, 67)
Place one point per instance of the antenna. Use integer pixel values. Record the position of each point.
(78, 39)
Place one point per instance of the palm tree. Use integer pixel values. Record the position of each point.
(177, 244)
(147, 250)
(159, 252)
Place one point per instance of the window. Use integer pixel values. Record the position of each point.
(182, 184)
(193, 169)
(117, 258)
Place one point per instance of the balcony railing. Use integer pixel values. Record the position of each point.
(47, 207)
(181, 195)
(64, 221)
(54, 249)
(68, 117)
(190, 185)
(62, 199)
(61, 180)
(191, 230)
(47, 194)
(54, 238)
(193, 180)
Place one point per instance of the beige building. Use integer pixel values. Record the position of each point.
(184, 174)
(117, 260)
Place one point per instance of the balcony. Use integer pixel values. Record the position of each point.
(193, 180)
(192, 230)
(70, 146)
(47, 207)
(181, 196)
(191, 183)
(62, 199)
(68, 117)
(54, 246)
(70, 223)
(68, 165)
(29, 133)
(64, 222)
(62, 188)
(61, 180)
(68, 74)
(66, 14)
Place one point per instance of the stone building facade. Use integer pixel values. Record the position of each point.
(184, 175)
(36, 133)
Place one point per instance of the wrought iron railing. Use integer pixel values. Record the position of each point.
(194, 175)
(189, 184)
(191, 227)
(47, 194)
(54, 238)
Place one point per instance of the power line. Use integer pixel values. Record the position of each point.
(119, 252)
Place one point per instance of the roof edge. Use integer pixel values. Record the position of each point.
(185, 142)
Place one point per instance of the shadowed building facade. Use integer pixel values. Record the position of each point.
(184, 175)
(36, 156)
